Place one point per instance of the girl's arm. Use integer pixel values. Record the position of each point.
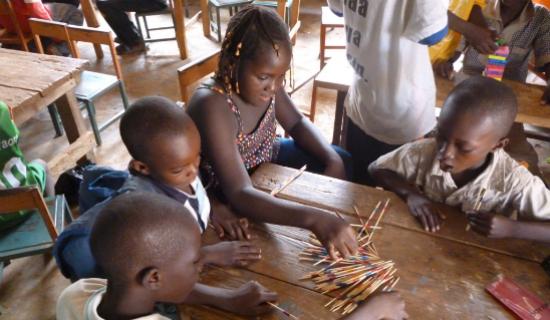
(218, 128)
(307, 136)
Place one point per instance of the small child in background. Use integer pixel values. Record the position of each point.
(165, 145)
(237, 112)
(15, 171)
(465, 165)
(157, 258)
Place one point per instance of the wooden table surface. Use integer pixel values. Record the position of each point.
(29, 82)
(443, 275)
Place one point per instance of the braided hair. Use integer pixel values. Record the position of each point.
(249, 32)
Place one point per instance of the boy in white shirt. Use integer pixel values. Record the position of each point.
(465, 165)
(392, 97)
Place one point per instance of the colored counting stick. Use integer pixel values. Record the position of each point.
(497, 62)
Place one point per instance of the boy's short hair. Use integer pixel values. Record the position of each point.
(138, 230)
(148, 118)
(485, 97)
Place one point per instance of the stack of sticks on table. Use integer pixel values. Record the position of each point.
(356, 277)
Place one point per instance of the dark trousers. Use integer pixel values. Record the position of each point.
(114, 12)
(364, 150)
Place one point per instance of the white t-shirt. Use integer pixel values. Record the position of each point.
(80, 300)
(392, 96)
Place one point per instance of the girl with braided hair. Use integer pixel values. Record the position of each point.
(237, 112)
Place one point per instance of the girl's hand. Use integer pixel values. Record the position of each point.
(335, 235)
(491, 225)
(250, 299)
(444, 69)
(227, 225)
(231, 253)
(425, 210)
(335, 168)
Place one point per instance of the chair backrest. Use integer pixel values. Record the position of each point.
(6, 9)
(196, 70)
(50, 29)
(27, 198)
(95, 36)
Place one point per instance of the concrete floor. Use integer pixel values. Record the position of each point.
(30, 286)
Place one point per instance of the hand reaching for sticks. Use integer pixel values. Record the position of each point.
(426, 211)
(491, 225)
(336, 235)
(250, 299)
(231, 253)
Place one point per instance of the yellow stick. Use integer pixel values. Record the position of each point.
(288, 181)
(286, 313)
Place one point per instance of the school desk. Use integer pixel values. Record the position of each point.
(30, 82)
(442, 275)
(337, 75)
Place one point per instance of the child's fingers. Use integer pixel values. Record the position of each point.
(243, 222)
(238, 231)
(219, 229)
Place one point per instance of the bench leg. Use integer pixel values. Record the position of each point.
(54, 114)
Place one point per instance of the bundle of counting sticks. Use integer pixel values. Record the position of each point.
(356, 277)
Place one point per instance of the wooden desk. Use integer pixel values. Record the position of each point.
(30, 82)
(339, 78)
(443, 275)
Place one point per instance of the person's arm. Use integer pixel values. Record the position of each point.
(218, 128)
(307, 136)
(420, 206)
(496, 226)
(249, 299)
(475, 31)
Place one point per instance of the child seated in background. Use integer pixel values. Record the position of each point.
(465, 165)
(157, 258)
(15, 171)
(165, 145)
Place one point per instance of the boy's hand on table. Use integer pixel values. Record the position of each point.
(250, 299)
(425, 210)
(228, 225)
(232, 253)
(491, 225)
(387, 305)
(336, 235)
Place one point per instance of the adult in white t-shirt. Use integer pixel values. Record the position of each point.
(392, 97)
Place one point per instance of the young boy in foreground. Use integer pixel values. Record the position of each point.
(156, 258)
(465, 165)
(165, 147)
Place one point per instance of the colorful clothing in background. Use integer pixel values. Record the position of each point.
(445, 49)
(25, 9)
(14, 170)
(528, 34)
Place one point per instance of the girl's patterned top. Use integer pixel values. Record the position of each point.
(255, 148)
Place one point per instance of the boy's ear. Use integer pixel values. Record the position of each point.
(139, 167)
(501, 143)
(150, 278)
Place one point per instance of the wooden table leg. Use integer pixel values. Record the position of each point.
(91, 21)
(339, 118)
(72, 120)
(205, 18)
(180, 28)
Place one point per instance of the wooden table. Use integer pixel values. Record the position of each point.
(339, 76)
(443, 275)
(30, 82)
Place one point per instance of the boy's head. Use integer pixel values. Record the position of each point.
(255, 56)
(474, 121)
(148, 244)
(162, 140)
